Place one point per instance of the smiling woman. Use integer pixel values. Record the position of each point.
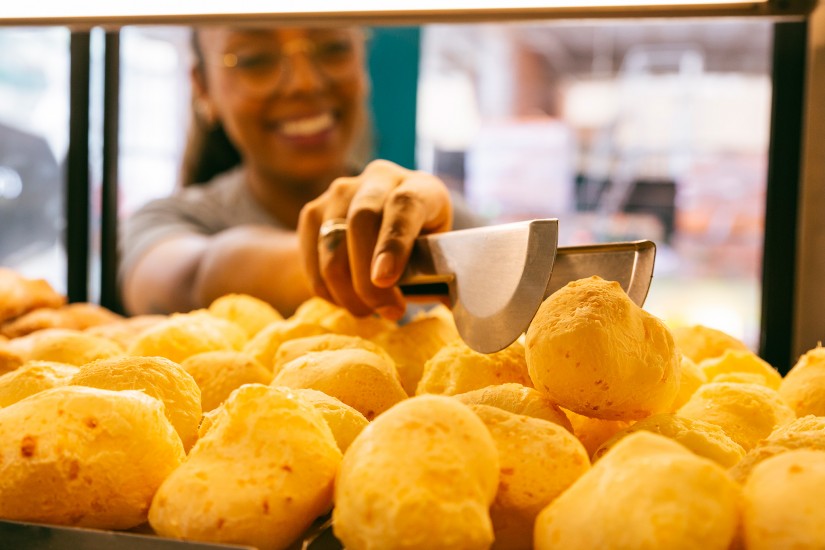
(291, 100)
(279, 115)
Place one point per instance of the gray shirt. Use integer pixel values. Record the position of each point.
(207, 209)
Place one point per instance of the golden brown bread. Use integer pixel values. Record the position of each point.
(517, 399)
(9, 359)
(741, 362)
(219, 373)
(456, 368)
(648, 493)
(84, 457)
(158, 377)
(703, 438)
(807, 432)
(77, 316)
(33, 377)
(363, 380)
(783, 502)
(250, 313)
(344, 421)
(700, 342)
(265, 344)
(185, 334)
(538, 460)
(259, 476)
(414, 343)
(59, 345)
(19, 295)
(333, 318)
(595, 352)
(747, 412)
(803, 387)
(292, 349)
(421, 475)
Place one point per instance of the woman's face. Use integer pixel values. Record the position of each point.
(291, 100)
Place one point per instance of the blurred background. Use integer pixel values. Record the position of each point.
(622, 130)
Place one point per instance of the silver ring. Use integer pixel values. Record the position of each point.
(332, 232)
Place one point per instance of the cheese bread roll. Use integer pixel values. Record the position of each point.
(185, 334)
(747, 412)
(539, 460)
(595, 352)
(361, 379)
(413, 344)
(260, 476)
(648, 493)
(34, 377)
(156, 376)
(703, 438)
(517, 399)
(807, 432)
(250, 313)
(783, 502)
(700, 342)
(266, 343)
(457, 368)
(421, 475)
(84, 457)
(741, 362)
(803, 388)
(292, 349)
(219, 373)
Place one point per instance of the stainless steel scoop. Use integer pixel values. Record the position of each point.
(497, 277)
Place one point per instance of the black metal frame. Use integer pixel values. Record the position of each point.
(782, 195)
(77, 170)
(109, 294)
(781, 209)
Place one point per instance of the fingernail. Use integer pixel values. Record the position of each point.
(383, 267)
(392, 313)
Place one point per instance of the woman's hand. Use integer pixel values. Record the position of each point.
(385, 209)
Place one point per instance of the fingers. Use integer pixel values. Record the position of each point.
(386, 209)
(418, 206)
(364, 219)
(326, 259)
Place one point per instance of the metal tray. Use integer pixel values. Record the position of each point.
(20, 535)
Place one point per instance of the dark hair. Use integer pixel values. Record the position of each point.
(208, 150)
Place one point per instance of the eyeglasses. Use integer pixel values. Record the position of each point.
(261, 69)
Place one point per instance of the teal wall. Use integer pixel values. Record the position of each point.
(393, 61)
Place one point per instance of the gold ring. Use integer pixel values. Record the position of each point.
(332, 232)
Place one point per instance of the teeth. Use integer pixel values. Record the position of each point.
(308, 126)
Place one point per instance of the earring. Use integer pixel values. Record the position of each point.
(205, 112)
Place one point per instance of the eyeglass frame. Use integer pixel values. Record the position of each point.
(232, 61)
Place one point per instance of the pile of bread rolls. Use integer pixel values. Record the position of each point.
(601, 428)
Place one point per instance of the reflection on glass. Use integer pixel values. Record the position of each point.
(33, 141)
(623, 131)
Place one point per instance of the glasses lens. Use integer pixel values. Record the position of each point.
(261, 70)
(256, 71)
(335, 57)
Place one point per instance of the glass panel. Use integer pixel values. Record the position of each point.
(154, 112)
(623, 131)
(34, 122)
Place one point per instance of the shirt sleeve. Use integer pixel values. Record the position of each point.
(157, 221)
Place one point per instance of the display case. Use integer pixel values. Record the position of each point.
(791, 304)
(793, 264)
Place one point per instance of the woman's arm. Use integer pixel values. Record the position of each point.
(189, 271)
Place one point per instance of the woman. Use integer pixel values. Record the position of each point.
(292, 103)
